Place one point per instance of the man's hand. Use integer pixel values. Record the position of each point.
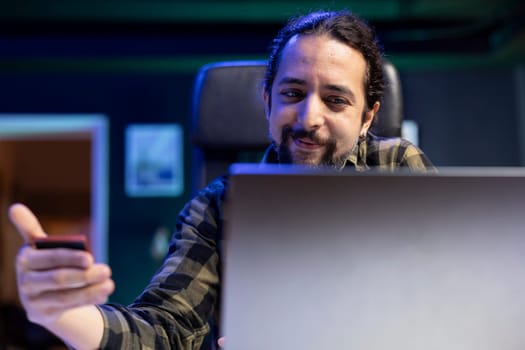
(53, 281)
(221, 342)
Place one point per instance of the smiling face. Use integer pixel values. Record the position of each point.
(316, 110)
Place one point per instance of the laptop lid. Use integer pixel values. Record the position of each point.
(325, 260)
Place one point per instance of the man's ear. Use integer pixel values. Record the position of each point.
(267, 102)
(369, 118)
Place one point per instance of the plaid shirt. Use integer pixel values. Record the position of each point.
(175, 309)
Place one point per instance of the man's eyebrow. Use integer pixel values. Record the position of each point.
(291, 80)
(341, 89)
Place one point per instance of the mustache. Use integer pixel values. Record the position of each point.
(285, 156)
(288, 131)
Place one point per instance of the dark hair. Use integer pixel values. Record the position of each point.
(342, 26)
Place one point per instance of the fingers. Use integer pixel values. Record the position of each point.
(39, 270)
(44, 259)
(221, 342)
(26, 222)
(52, 281)
(47, 307)
(63, 299)
(34, 283)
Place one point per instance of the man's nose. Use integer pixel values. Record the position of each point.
(310, 115)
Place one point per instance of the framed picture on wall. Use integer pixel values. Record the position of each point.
(154, 160)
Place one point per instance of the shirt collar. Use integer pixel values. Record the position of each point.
(357, 157)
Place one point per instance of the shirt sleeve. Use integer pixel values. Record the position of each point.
(414, 159)
(390, 154)
(174, 309)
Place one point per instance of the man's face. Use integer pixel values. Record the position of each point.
(318, 101)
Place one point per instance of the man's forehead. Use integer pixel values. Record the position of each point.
(333, 59)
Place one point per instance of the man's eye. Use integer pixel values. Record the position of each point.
(290, 93)
(337, 100)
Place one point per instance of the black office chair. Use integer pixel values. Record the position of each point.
(229, 124)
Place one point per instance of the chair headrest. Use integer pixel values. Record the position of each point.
(389, 119)
(228, 110)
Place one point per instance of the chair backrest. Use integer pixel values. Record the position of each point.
(229, 124)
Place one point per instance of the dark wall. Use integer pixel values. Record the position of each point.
(467, 117)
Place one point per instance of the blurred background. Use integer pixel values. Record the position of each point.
(75, 75)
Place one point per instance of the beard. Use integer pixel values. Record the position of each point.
(328, 158)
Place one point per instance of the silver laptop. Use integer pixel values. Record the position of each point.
(324, 260)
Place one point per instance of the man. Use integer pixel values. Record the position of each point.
(323, 87)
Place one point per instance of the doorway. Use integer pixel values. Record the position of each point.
(57, 165)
